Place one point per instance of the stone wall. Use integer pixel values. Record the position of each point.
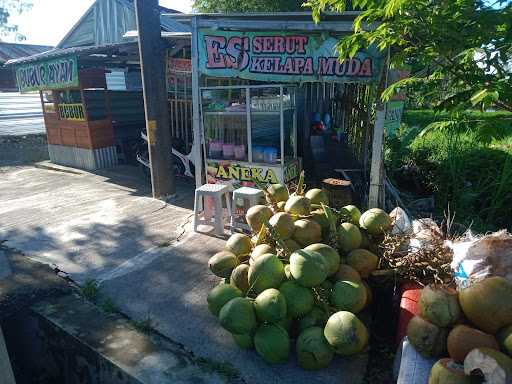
(23, 149)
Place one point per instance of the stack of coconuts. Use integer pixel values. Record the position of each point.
(300, 276)
(473, 327)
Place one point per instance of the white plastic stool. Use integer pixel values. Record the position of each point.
(252, 195)
(216, 191)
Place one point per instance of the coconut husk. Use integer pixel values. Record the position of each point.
(424, 265)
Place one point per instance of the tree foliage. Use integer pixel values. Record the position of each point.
(7, 9)
(460, 51)
(225, 6)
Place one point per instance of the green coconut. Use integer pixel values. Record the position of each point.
(267, 271)
(270, 306)
(240, 245)
(272, 343)
(286, 323)
(220, 295)
(505, 339)
(283, 223)
(298, 205)
(365, 239)
(331, 256)
(261, 250)
(317, 317)
(239, 277)
(348, 237)
(308, 268)
(244, 341)
(257, 215)
(363, 261)
(346, 272)
(313, 350)
(439, 305)
(427, 338)
(496, 367)
(288, 272)
(318, 216)
(278, 192)
(223, 263)
(323, 291)
(238, 316)
(488, 303)
(317, 196)
(346, 333)
(299, 300)
(349, 296)
(292, 245)
(447, 371)
(351, 212)
(307, 232)
(375, 221)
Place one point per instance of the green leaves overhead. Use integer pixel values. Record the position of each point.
(460, 51)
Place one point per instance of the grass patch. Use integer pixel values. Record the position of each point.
(145, 325)
(464, 170)
(90, 290)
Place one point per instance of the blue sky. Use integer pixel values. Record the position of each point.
(49, 20)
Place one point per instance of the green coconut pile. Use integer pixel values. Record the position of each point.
(298, 283)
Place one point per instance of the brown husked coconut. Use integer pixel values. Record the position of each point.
(363, 261)
(439, 305)
(257, 215)
(496, 367)
(427, 338)
(346, 272)
(488, 303)
(462, 339)
(447, 371)
(369, 293)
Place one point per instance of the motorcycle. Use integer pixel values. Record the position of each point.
(183, 163)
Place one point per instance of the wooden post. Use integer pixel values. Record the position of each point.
(152, 66)
(376, 184)
(376, 193)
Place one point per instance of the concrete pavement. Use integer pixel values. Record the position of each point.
(144, 255)
(86, 224)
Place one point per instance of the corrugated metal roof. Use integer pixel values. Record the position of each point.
(81, 51)
(10, 51)
(106, 21)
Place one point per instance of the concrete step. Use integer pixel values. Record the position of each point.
(90, 346)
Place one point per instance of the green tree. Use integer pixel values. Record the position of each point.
(460, 50)
(225, 6)
(7, 9)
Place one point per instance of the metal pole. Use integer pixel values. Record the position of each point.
(152, 66)
(196, 122)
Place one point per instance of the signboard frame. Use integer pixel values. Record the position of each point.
(57, 73)
(283, 56)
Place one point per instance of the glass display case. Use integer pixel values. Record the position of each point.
(250, 132)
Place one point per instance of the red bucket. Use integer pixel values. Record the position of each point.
(409, 298)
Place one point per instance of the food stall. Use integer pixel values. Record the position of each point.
(258, 80)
